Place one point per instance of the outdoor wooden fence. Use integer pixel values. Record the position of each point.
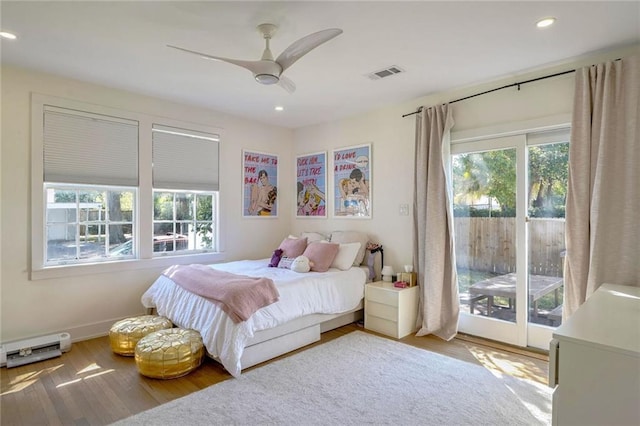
(489, 244)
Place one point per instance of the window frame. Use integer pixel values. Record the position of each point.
(145, 259)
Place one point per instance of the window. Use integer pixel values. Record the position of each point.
(88, 224)
(183, 221)
(87, 157)
(185, 181)
(111, 185)
(509, 193)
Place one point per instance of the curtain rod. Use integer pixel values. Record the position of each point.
(499, 88)
(506, 87)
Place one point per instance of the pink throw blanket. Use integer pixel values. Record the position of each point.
(238, 295)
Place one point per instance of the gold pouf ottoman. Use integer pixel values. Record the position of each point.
(167, 354)
(125, 334)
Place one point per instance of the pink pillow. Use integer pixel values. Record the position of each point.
(293, 247)
(321, 255)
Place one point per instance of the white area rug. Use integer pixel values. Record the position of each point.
(361, 379)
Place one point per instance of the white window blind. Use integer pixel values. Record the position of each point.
(88, 148)
(185, 159)
(545, 137)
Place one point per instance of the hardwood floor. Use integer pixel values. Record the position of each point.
(92, 386)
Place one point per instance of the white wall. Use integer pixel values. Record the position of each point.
(88, 305)
(392, 138)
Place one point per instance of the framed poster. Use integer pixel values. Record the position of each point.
(260, 184)
(311, 178)
(352, 182)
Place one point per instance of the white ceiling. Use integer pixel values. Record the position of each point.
(441, 45)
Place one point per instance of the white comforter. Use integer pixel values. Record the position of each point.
(328, 292)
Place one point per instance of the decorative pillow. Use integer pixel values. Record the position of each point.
(285, 262)
(275, 259)
(293, 247)
(301, 264)
(313, 236)
(321, 255)
(341, 237)
(346, 256)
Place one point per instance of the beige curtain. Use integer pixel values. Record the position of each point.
(433, 247)
(603, 198)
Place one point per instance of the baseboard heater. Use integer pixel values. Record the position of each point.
(36, 349)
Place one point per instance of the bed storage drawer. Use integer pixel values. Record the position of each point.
(272, 348)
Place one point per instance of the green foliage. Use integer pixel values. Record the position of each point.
(163, 206)
(204, 212)
(535, 212)
(466, 211)
(188, 206)
(62, 196)
(492, 174)
(548, 176)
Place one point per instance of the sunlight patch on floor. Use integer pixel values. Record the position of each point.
(88, 368)
(23, 381)
(497, 362)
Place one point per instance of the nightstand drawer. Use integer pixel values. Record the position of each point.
(382, 295)
(381, 311)
(381, 325)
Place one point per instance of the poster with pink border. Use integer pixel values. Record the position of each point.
(260, 184)
(352, 182)
(311, 182)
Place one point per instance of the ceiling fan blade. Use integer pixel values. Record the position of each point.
(254, 66)
(303, 46)
(287, 84)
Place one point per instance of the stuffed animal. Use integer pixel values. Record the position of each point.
(275, 258)
(301, 264)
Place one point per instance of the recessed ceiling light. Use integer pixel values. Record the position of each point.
(545, 22)
(7, 35)
(279, 108)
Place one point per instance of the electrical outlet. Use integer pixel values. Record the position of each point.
(404, 210)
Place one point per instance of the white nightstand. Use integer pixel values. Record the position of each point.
(390, 310)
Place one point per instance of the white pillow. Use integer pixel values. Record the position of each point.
(346, 255)
(313, 236)
(341, 237)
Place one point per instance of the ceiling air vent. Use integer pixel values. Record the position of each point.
(387, 72)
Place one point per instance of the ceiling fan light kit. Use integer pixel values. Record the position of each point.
(267, 70)
(267, 78)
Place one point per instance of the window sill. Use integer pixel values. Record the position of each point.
(123, 265)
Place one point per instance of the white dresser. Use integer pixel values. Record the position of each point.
(390, 310)
(594, 361)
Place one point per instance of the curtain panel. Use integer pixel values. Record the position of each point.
(603, 197)
(433, 246)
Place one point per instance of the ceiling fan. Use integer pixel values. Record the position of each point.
(267, 70)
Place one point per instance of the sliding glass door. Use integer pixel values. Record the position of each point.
(509, 230)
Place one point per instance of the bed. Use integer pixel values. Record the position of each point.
(309, 304)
